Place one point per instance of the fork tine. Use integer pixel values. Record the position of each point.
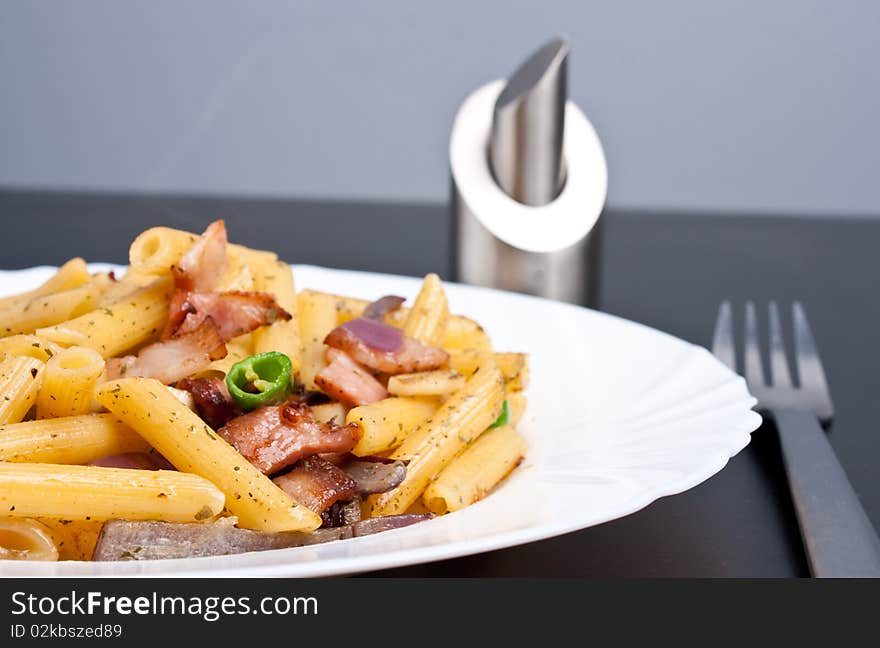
(722, 339)
(754, 371)
(778, 365)
(812, 375)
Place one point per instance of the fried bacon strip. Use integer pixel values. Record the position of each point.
(205, 262)
(235, 313)
(212, 400)
(410, 357)
(317, 484)
(171, 360)
(346, 381)
(275, 437)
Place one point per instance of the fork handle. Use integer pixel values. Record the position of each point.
(839, 537)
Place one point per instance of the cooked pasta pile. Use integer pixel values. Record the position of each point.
(198, 405)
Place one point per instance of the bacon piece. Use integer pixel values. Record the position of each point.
(348, 382)
(235, 313)
(171, 360)
(410, 357)
(202, 266)
(317, 484)
(275, 437)
(212, 400)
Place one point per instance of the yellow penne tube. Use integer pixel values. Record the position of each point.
(26, 539)
(464, 333)
(514, 366)
(316, 315)
(238, 276)
(276, 278)
(327, 412)
(68, 440)
(427, 319)
(515, 369)
(155, 250)
(386, 423)
(96, 493)
(191, 446)
(119, 327)
(50, 309)
(476, 471)
(72, 274)
(68, 382)
(516, 406)
(74, 539)
(20, 380)
(434, 443)
(128, 284)
(28, 345)
(426, 383)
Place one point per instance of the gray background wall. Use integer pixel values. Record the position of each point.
(723, 105)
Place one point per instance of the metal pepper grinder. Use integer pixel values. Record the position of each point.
(529, 181)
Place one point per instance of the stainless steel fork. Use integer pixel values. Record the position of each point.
(839, 538)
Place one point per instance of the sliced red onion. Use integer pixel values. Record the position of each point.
(382, 306)
(374, 476)
(387, 523)
(375, 334)
(124, 540)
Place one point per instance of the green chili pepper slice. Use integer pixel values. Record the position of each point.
(503, 418)
(259, 380)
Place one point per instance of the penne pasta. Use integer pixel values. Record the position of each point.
(464, 333)
(476, 471)
(155, 250)
(28, 345)
(96, 493)
(514, 366)
(191, 446)
(20, 380)
(516, 407)
(119, 327)
(327, 412)
(52, 309)
(434, 443)
(68, 382)
(26, 539)
(62, 423)
(317, 317)
(515, 369)
(426, 321)
(131, 282)
(238, 276)
(386, 423)
(68, 440)
(276, 278)
(74, 539)
(72, 274)
(426, 383)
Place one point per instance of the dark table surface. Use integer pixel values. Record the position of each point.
(666, 270)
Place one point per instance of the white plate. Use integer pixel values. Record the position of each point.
(619, 415)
